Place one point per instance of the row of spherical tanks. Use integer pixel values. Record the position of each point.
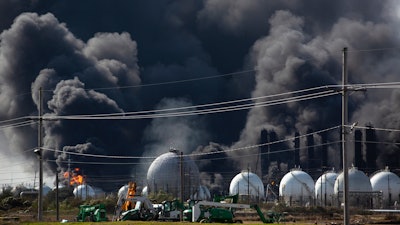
(382, 189)
(296, 187)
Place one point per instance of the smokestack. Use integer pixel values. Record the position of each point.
(370, 149)
(273, 137)
(310, 150)
(358, 156)
(264, 152)
(324, 150)
(296, 149)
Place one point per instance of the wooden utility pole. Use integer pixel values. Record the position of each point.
(344, 140)
(182, 182)
(40, 153)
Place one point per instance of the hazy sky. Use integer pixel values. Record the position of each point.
(100, 57)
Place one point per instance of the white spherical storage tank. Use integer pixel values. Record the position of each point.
(164, 174)
(324, 188)
(83, 191)
(388, 184)
(360, 189)
(297, 188)
(247, 184)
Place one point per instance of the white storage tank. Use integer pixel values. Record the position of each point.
(360, 189)
(164, 175)
(324, 189)
(247, 185)
(388, 184)
(297, 188)
(84, 191)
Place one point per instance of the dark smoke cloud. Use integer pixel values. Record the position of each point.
(288, 59)
(280, 60)
(52, 58)
(217, 168)
(73, 50)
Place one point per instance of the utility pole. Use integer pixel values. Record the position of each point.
(248, 184)
(40, 153)
(69, 170)
(344, 139)
(182, 182)
(57, 198)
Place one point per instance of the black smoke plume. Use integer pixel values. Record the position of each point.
(91, 58)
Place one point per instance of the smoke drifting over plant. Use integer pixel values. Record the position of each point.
(97, 57)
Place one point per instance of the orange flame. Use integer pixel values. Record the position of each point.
(75, 178)
(128, 204)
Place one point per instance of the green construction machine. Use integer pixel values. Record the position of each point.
(170, 210)
(92, 213)
(208, 212)
(221, 210)
(270, 217)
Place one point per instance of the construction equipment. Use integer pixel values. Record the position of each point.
(133, 207)
(271, 217)
(170, 210)
(226, 198)
(206, 211)
(92, 213)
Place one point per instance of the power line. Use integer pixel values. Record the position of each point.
(252, 99)
(131, 115)
(185, 111)
(374, 128)
(167, 82)
(15, 119)
(175, 81)
(19, 124)
(374, 49)
(98, 156)
(206, 153)
(197, 154)
(101, 163)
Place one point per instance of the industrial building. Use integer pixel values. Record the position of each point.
(296, 187)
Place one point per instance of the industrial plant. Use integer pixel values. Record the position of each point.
(297, 188)
(315, 184)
